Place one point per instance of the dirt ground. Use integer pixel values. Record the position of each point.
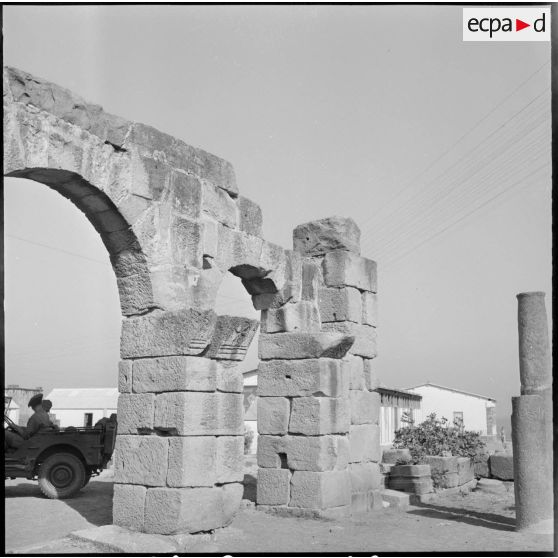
(473, 523)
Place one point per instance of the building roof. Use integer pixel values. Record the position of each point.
(83, 398)
(430, 384)
(400, 392)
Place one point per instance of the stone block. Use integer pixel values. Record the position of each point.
(192, 461)
(311, 279)
(365, 407)
(273, 415)
(269, 450)
(235, 248)
(371, 378)
(273, 486)
(170, 511)
(135, 412)
(210, 237)
(370, 308)
(184, 332)
(251, 219)
(319, 415)
(365, 344)
(465, 470)
(320, 490)
(410, 471)
(218, 204)
(303, 345)
(412, 485)
(332, 233)
(355, 367)
(141, 460)
(366, 501)
(229, 378)
(365, 476)
(186, 194)
(394, 455)
(302, 316)
(447, 480)
(199, 413)
(128, 506)
(230, 459)
(344, 269)
(299, 378)
(501, 466)
(174, 373)
(231, 338)
(186, 241)
(396, 500)
(440, 465)
(136, 295)
(340, 304)
(317, 453)
(364, 443)
(481, 466)
(125, 376)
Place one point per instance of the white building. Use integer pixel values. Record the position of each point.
(82, 406)
(396, 406)
(251, 406)
(476, 412)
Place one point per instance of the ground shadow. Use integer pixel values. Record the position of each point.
(471, 517)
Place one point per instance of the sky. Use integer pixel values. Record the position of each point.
(439, 149)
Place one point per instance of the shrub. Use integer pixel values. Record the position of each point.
(436, 436)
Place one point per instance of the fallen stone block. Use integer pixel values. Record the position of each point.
(317, 453)
(365, 337)
(501, 466)
(447, 480)
(192, 461)
(273, 415)
(465, 470)
(303, 345)
(135, 412)
(344, 269)
(251, 220)
(364, 443)
(320, 490)
(364, 476)
(340, 304)
(370, 308)
(174, 373)
(141, 460)
(396, 499)
(128, 504)
(394, 455)
(300, 378)
(413, 485)
(273, 486)
(319, 415)
(332, 233)
(410, 471)
(365, 407)
(302, 316)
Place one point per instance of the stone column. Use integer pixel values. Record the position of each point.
(532, 419)
(318, 449)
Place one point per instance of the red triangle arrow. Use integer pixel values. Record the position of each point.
(519, 25)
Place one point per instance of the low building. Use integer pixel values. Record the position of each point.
(21, 397)
(82, 406)
(475, 412)
(11, 409)
(398, 407)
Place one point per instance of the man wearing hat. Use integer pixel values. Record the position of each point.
(39, 420)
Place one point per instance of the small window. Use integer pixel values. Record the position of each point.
(458, 419)
(88, 419)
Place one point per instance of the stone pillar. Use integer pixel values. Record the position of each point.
(318, 414)
(532, 419)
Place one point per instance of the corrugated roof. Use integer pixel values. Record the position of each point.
(83, 398)
(454, 390)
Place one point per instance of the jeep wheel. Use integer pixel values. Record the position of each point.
(61, 475)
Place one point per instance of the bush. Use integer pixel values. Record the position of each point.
(437, 437)
(248, 439)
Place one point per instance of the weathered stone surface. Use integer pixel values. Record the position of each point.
(365, 407)
(322, 236)
(192, 461)
(136, 294)
(250, 216)
(447, 480)
(230, 459)
(231, 338)
(328, 489)
(465, 470)
(410, 471)
(396, 500)
(394, 455)
(413, 485)
(355, 367)
(185, 332)
(440, 465)
(501, 466)
(340, 304)
(317, 453)
(125, 376)
(217, 204)
(343, 268)
(369, 309)
(273, 415)
(364, 443)
(296, 378)
(210, 237)
(269, 450)
(273, 486)
(175, 373)
(311, 279)
(135, 412)
(302, 316)
(481, 466)
(319, 415)
(304, 345)
(141, 460)
(198, 414)
(365, 344)
(171, 511)
(364, 476)
(128, 506)
(186, 194)
(229, 378)
(235, 248)
(371, 378)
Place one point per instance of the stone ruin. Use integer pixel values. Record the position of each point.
(173, 222)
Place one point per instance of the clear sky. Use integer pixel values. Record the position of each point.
(439, 149)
